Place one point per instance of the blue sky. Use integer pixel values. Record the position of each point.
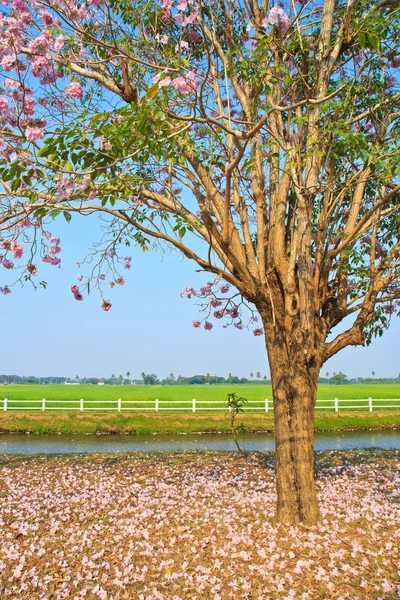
(47, 332)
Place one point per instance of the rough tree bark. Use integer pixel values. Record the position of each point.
(294, 381)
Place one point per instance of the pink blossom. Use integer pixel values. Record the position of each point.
(41, 44)
(3, 105)
(59, 42)
(196, 324)
(29, 106)
(208, 326)
(106, 305)
(32, 269)
(163, 39)
(165, 82)
(8, 62)
(34, 133)
(47, 18)
(258, 331)
(277, 16)
(181, 85)
(7, 264)
(17, 249)
(5, 290)
(182, 45)
(74, 90)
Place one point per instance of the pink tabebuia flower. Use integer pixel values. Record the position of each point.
(74, 90)
(277, 16)
(181, 85)
(34, 133)
(106, 305)
(258, 332)
(32, 269)
(165, 82)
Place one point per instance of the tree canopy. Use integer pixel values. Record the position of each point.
(263, 112)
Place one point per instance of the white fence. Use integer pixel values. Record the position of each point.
(119, 405)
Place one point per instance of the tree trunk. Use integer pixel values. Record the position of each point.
(294, 385)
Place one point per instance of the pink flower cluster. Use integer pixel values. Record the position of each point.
(14, 247)
(34, 133)
(76, 292)
(74, 90)
(227, 307)
(54, 248)
(277, 16)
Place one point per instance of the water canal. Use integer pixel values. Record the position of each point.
(31, 444)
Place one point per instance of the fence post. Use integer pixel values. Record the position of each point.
(336, 404)
(370, 404)
(44, 404)
(193, 405)
(266, 404)
(156, 404)
(81, 405)
(119, 404)
(5, 404)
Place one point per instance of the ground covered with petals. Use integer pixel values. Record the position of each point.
(195, 525)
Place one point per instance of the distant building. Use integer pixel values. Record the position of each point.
(100, 383)
(71, 383)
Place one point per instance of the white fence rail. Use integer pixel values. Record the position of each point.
(194, 405)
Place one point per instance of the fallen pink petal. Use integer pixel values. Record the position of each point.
(195, 525)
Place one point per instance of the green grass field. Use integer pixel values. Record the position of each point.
(143, 397)
(178, 418)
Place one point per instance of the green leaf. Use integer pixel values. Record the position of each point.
(152, 91)
(67, 216)
(45, 151)
(362, 39)
(373, 41)
(15, 185)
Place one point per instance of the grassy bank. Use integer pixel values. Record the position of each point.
(113, 423)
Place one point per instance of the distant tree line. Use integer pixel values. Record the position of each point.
(152, 379)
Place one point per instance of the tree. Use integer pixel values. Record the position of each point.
(113, 378)
(339, 378)
(280, 125)
(251, 375)
(150, 378)
(258, 375)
